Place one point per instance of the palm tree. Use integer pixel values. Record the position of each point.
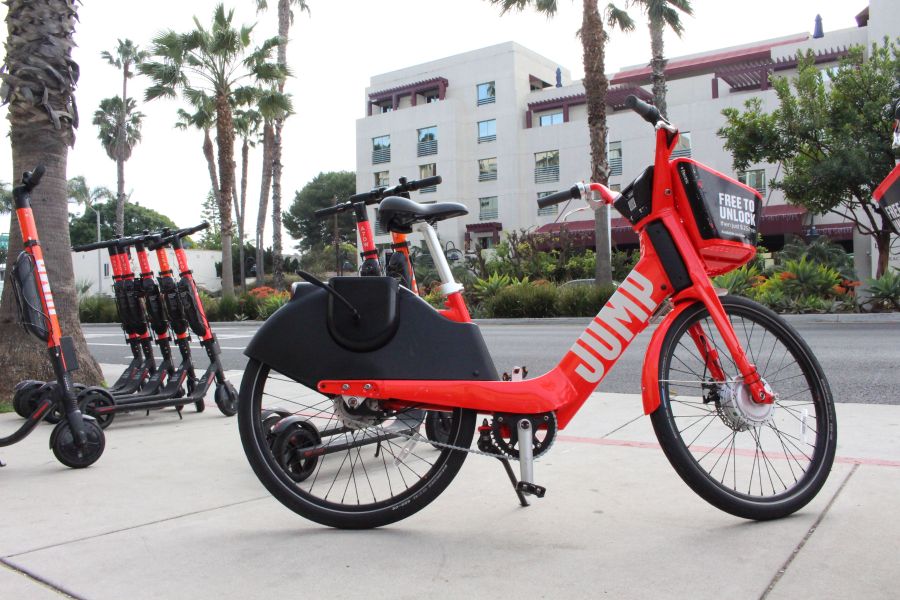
(127, 55)
(271, 104)
(39, 78)
(285, 20)
(661, 13)
(594, 36)
(118, 131)
(213, 62)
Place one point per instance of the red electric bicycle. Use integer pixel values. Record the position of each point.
(739, 404)
(887, 195)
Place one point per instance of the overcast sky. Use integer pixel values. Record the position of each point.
(334, 51)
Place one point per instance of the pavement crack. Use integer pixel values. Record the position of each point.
(133, 527)
(39, 580)
(780, 573)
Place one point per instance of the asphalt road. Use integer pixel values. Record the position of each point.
(861, 359)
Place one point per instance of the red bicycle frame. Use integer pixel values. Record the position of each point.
(565, 388)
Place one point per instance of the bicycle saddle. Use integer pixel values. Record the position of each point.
(398, 214)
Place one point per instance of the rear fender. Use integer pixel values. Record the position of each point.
(650, 371)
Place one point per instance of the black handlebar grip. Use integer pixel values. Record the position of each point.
(423, 183)
(367, 197)
(558, 197)
(649, 112)
(192, 230)
(30, 179)
(93, 246)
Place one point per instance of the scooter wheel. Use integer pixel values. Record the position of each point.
(288, 446)
(227, 399)
(269, 418)
(23, 400)
(92, 399)
(62, 442)
(200, 405)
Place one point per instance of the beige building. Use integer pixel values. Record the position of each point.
(503, 124)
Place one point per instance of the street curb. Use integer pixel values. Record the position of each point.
(893, 317)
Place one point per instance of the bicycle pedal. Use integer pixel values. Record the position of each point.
(532, 489)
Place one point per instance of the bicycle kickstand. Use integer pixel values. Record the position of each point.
(485, 444)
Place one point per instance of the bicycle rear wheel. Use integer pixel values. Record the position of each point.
(754, 461)
(358, 468)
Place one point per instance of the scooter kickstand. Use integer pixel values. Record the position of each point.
(2, 464)
(526, 483)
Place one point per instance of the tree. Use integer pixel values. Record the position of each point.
(833, 140)
(203, 118)
(78, 190)
(661, 13)
(212, 62)
(271, 105)
(120, 136)
(6, 199)
(594, 36)
(39, 78)
(211, 239)
(314, 233)
(137, 219)
(285, 20)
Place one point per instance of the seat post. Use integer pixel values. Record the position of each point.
(448, 284)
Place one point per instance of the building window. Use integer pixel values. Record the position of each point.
(429, 170)
(547, 210)
(487, 208)
(755, 179)
(486, 93)
(615, 158)
(428, 143)
(554, 118)
(378, 227)
(485, 242)
(487, 169)
(683, 147)
(487, 131)
(381, 149)
(546, 166)
(431, 96)
(106, 269)
(382, 178)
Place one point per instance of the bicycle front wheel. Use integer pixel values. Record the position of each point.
(344, 466)
(756, 461)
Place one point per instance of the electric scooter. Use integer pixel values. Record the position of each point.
(77, 440)
(184, 310)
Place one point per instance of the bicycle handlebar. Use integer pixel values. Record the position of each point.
(649, 112)
(556, 198)
(152, 240)
(30, 179)
(375, 195)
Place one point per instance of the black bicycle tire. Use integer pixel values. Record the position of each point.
(695, 476)
(370, 516)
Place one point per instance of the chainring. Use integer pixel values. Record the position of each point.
(505, 433)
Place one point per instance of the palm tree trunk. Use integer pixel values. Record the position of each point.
(593, 39)
(658, 65)
(225, 141)
(209, 153)
(266, 182)
(240, 213)
(120, 157)
(277, 259)
(284, 24)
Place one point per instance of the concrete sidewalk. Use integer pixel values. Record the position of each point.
(172, 510)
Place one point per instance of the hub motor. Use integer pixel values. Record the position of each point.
(738, 410)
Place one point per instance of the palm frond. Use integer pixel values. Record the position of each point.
(618, 18)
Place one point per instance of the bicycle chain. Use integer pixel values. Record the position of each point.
(419, 438)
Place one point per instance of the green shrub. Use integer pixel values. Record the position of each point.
(523, 301)
(582, 300)
(268, 306)
(97, 309)
(806, 278)
(210, 307)
(885, 291)
(739, 281)
(229, 308)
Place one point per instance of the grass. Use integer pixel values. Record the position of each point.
(5, 408)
